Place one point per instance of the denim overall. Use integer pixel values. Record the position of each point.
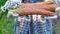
(32, 26)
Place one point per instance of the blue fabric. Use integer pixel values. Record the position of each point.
(16, 26)
(33, 1)
(25, 27)
(36, 27)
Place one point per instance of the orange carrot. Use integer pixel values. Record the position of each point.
(34, 11)
(40, 8)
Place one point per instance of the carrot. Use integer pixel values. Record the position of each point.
(39, 6)
(44, 3)
(34, 11)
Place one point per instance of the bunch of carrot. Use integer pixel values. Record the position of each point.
(40, 8)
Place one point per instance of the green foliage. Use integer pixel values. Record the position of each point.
(2, 17)
(2, 2)
(6, 24)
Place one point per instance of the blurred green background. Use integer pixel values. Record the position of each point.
(6, 24)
